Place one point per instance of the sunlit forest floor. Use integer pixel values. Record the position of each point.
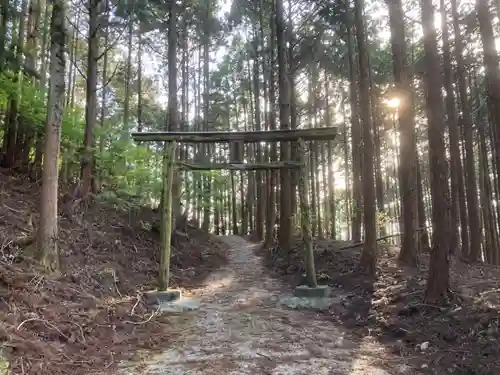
(91, 316)
(460, 339)
(240, 329)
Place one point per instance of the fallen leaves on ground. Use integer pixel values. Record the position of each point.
(89, 317)
(462, 338)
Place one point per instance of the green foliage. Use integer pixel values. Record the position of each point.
(7, 87)
(32, 104)
(131, 168)
(72, 133)
(122, 165)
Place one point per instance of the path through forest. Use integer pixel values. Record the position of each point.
(240, 330)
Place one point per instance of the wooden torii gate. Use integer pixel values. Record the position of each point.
(236, 140)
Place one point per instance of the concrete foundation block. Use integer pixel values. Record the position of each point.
(156, 297)
(321, 291)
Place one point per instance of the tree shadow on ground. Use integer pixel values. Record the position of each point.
(462, 338)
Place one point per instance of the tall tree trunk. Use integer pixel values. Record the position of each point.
(357, 206)
(292, 67)
(91, 97)
(104, 90)
(486, 193)
(271, 194)
(184, 124)
(486, 190)
(140, 124)
(37, 163)
(173, 121)
(128, 73)
(285, 233)
(47, 251)
(197, 85)
(466, 123)
(369, 254)
(490, 58)
(453, 131)
(379, 184)
(4, 14)
(438, 281)
(236, 229)
(422, 222)
(331, 173)
(346, 168)
(14, 127)
(473, 250)
(315, 152)
(206, 107)
(408, 166)
(34, 12)
(312, 163)
(260, 209)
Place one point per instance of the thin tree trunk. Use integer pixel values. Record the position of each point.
(104, 78)
(271, 195)
(473, 250)
(140, 124)
(369, 255)
(173, 117)
(4, 14)
(128, 73)
(43, 74)
(331, 174)
(347, 174)
(206, 107)
(285, 233)
(356, 149)
(91, 97)
(485, 192)
(14, 127)
(260, 209)
(490, 61)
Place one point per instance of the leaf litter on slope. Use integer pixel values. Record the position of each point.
(462, 338)
(89, 317)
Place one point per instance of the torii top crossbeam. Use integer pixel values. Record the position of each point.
(281, 135)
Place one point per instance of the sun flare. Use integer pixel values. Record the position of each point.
(392, 102)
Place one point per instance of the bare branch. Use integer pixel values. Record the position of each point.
(110, 79)
(79, 71)
(118, 38)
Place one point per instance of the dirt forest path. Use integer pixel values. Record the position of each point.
(240, 330)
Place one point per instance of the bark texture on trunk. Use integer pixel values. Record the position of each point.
(47, 251)
(369, 254)
(438, 281)
(408, 166)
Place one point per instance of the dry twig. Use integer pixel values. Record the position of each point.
(153, 314)
(44, 322)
